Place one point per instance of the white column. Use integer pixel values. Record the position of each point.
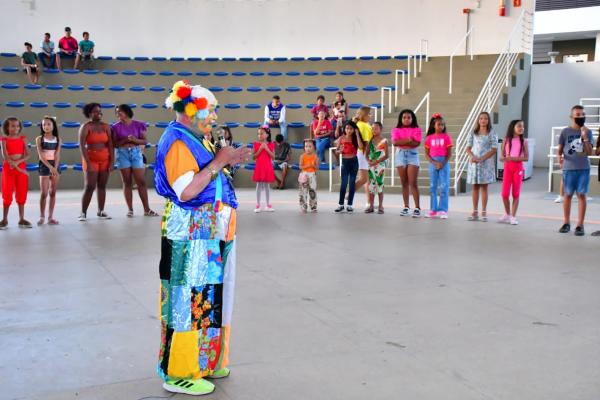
(597, 52)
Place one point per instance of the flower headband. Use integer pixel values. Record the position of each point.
(194, 101)
(436, 116)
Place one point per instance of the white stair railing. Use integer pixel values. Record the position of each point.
(498, 79)
(467, 36)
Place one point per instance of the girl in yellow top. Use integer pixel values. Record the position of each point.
(307, 179)
(363, 115)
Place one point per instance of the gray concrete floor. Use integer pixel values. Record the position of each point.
(328, 306)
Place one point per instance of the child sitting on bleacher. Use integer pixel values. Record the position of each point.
(307, 180)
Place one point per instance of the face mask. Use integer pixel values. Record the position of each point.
(580, 121)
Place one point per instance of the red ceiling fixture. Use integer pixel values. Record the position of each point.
(502, 8)
(516, 3)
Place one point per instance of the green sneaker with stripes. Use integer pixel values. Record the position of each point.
(197, 387)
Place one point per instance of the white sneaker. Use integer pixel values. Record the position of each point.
(405, 212)
(269, 208)
(257, 209)
(443, 215)
(505, 219)
(416, 213)
(559, 199)
(513, 221)
(82, 217)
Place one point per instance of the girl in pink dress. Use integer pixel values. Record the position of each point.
(264, 174)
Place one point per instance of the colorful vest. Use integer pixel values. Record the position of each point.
(217, 190)
(275, 112)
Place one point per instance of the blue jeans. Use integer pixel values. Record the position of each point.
(322, 147)
(47, 62)
(349, 172)
(282, 128)
(439, 180)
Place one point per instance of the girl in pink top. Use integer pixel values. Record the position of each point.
(406, 138)
(438, 149)
(514, 152)
(264, 174)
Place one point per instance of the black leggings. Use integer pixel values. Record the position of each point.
(349, 172)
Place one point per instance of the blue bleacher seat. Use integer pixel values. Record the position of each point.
(26, 124)
(365, 72)
(81, 104)
(161, 124)
(133, 105)
(273, 89)
(149, 145)
(151, 166)
(116, 88)
(311, 73)
(54, 87)
(147, 73)
(232, 106)
(166, 73)
(129, 72)
(350, 89)
(292, 89)
(228, 59)
(263, 59)
(141, 58)
(376, 105)
(252, 125)
(349, 58)
(292, 73)
(274, 73)
(149, 105)
(235, 89)
(370, 88)
(77, 167)
(62, 167)
(107, 105)
(110, 72)
(221, 73)
(347, 73)
(211, 59)
(232, 124)
(296, 125)
(257, 73)
(384, 72)
(160, 59)
(216, 89)
(75, 87)
(294, 106)
(310, 106)
(177, 59)
(331, 58)
(355, 106)
(194, 59)
(70, 145)
(15, 104)
(123, 58)
(246, 59)
(254, 89)
(325, 167)
(238, 73)
(90, 71)
(328, 73)
(157, 89)
(280, 59)
(96, 88)
(71, 71)
(202, 73)
(70, 124)
(297, 145)
(10, 86)
(297, 58)
(32, 86)
(185, 73)
(137, 89)
(61, 105)
(38, 104)
(51, 71)
(253, 106)
(400, 57)
(250, 166)
(331, 88)
(312, 89)
(32, 167)
(384, 58)
(9, 69)
(8, 55)
(366, 58)
(314, 58)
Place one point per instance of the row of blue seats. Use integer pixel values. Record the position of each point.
(243, 59)
(365, 72)
(150, 106)
(215, 89)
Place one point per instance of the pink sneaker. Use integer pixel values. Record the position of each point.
(257, 209)
(269, 208)
(505, 219)
(431, 214)
(443, 215)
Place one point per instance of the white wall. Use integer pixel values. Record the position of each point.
(554, 89)
(252, 28)
(569, 20)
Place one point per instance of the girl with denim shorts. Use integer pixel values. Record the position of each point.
(128, 138)
(406, 138)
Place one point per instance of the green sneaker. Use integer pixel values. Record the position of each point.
(196, 387)
(219, 373)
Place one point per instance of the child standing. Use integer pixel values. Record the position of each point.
(362, 118)
(264, 174)
(307, 179)
(15, 178)
(481, 171)
(514, 152)
(348, 146)
(48, 148)
(438, 149)
(378, 155)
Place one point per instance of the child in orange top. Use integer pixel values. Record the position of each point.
(15, 178)
(307, 179)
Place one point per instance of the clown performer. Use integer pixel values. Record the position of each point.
(197, 264)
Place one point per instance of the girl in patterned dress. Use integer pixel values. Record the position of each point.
(481, 171)
(378, 155)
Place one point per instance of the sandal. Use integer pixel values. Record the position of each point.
(150, 213)
(484, 217)
(103, 215)
(379, 210)
(130, 214)
(3, 225)
(25, 224)
(369, 210)
(52, 221)
(474, 216)
(41, 221)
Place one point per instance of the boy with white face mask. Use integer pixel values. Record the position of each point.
(574, 147)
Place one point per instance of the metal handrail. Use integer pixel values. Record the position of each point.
(468, 35)
(487, 98)
(424, 100)
(403, 72)
(383, 90)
